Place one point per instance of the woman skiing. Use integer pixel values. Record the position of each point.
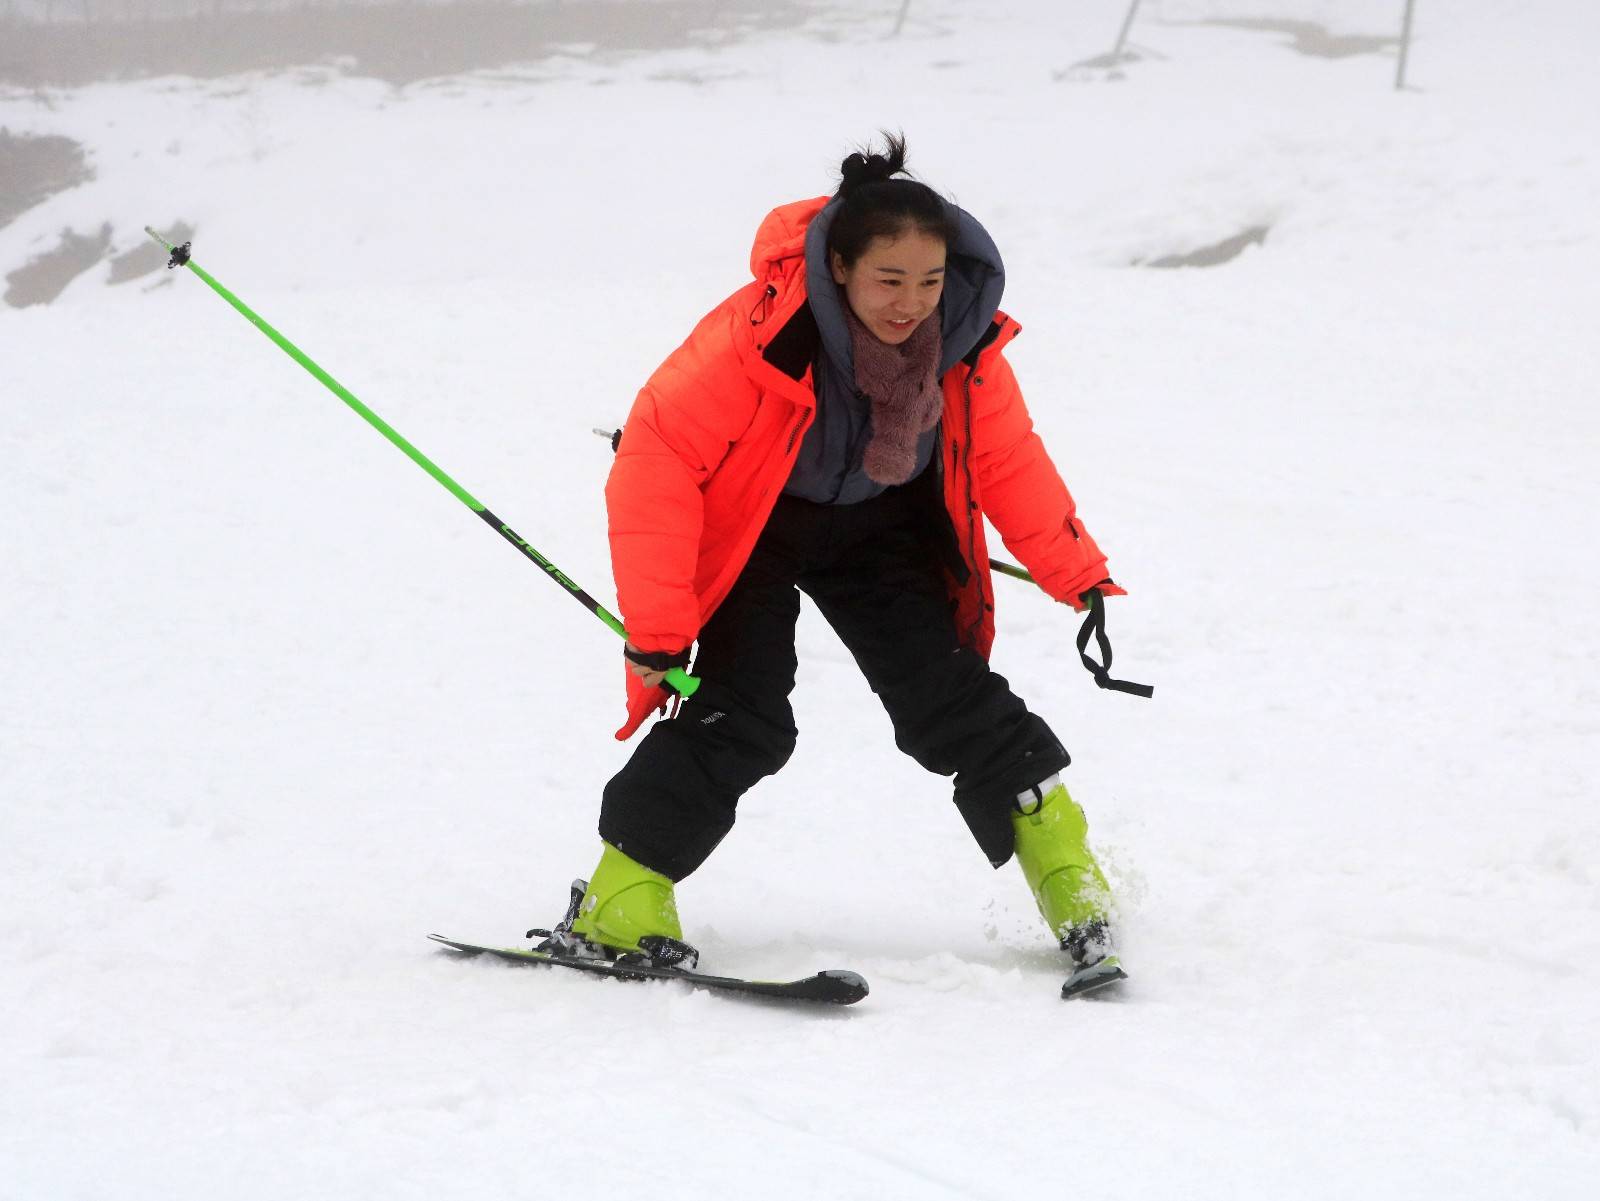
(839, 426)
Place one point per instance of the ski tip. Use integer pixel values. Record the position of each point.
(848, 979)
(467, 947)
(1093, 978)
(836, 986)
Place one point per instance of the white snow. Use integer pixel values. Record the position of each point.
(275, 706)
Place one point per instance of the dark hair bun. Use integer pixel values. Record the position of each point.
(874, 204)
(864, 167)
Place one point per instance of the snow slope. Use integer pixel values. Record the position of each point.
(275, 706)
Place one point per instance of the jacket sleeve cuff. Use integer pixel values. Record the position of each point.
(671, 635)
(1106, 587)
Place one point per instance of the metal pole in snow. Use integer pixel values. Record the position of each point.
(1405, 47)
(901, 19)
(1127, 25)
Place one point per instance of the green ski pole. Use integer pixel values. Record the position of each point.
(680, 680)
(1010, 569)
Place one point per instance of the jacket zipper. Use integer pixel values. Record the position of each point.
(964, 461)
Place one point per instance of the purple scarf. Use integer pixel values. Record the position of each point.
(902, 384)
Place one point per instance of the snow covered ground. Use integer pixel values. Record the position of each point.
(275, 706)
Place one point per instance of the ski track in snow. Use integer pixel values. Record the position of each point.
(276, 708)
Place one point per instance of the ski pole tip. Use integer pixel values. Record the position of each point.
(180, 254)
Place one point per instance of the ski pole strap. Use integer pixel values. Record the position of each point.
(656, 660)
(1094, 626)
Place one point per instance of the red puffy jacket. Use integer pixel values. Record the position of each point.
(712, 436)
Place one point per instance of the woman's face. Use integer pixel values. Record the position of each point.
(895, 284)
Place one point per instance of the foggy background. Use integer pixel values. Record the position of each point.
(48, 44)
(1315, 353)
(400, 42)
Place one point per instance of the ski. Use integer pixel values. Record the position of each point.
(1093, 977)
(832, 987)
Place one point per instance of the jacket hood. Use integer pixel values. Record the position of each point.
(782, 236)
(792, 241)
(975, 279)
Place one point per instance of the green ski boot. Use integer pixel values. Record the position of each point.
(626, 910)
(1068, 885)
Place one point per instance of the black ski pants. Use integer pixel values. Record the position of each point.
(873, 571)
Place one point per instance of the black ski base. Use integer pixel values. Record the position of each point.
(832, 987)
